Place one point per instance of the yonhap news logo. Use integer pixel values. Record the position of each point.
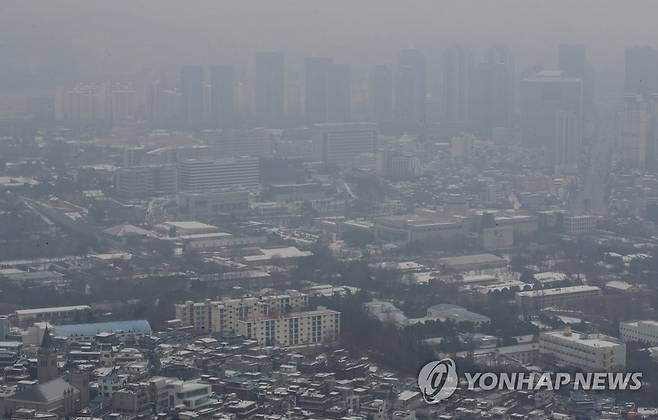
(438, 380)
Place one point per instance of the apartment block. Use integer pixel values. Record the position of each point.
(295, 328)
(222, 317)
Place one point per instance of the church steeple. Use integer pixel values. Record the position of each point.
(47, 359)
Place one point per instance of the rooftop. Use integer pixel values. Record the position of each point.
(75, 330)
(558, 291)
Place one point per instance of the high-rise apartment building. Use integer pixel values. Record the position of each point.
(320, 326)
(223, 316)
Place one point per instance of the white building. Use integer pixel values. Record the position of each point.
(296, 328)
(578, 225)
(52, 314)
(213, 203)
(145, 181)
(590, 352)
(203, 175)
(342, 143)
(222, 316)
(533, 300)
(641, 331)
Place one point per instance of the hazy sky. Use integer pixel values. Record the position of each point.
(136, 37)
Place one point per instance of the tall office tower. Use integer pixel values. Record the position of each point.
(269, 94)
(206, 175)
(411, 88)
(457, 85)
(641, 76)
(222, 96)
(634, 132)
(163, 104)
(542, 97)
(342, 143)
(327, 90)
(339, 93)
(568, 140)
(492, 102)
(380, 95)
(652, 146)
(574, 63)
(192, 95)
(573, 60)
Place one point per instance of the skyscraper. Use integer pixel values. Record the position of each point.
(634, 132)
(411, 88)
(192, 95)
(492, 103)
(380, 95)
(573, 62)
(542, 97)
(568, 139)
(316, 73)
(269, 95)
(222, 97)
(641, 76)
(458, 75)
(339, 93)
(327, 94)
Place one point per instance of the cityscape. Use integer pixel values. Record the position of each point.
(280, 211)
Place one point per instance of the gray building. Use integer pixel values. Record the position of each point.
(543, 98)
(269, 93)
(205, 175)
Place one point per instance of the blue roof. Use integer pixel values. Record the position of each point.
(73, 330)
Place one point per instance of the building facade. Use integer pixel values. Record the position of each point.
(296, 328)
(222, 317)
(590, 352)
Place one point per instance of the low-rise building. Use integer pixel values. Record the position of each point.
(416, 228)
(578, 225)
(534, 300)
(645, 331)
(590, 352)
(471, 262)
(53, 314)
